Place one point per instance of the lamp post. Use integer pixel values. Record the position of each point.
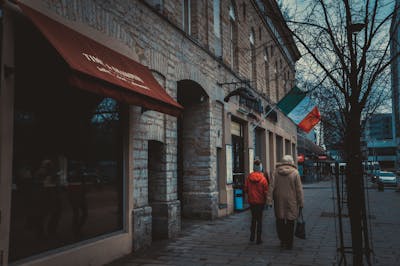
(354, 29)
(355, 184)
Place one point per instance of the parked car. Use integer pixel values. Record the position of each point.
(387, 178)
(371, 169)
(398, 180)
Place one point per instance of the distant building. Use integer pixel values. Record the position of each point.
(333, 135)
(310, 156)
(380, 141)
(395, 49)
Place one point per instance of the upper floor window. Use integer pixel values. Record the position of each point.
(261, 5)
(233, 36)
(157, 4)
(244, 11)
(251, 38)
(266, 62)
(266, 56)
(285, 82)
(253, 58)
(187, 16)
(232, 12)
(217, 27)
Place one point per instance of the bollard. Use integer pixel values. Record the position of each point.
(238, 199)
(380, 186)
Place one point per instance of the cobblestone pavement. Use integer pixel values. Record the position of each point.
(225, 241)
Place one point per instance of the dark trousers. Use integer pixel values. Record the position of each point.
(285, 229)
(256, 220)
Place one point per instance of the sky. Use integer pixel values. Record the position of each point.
(295, 9)
(294, 5)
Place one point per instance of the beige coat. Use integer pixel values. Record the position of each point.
(287, 191)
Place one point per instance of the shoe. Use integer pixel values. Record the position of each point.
(259, 241)
(251, 238)
(283, 245)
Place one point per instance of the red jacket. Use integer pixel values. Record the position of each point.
(256, 187)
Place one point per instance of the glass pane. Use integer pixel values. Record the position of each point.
(386, 174)
(232, 12)
(157, 4)
(236, 128)
(251, 38)
(67, 164)
(217, 26)
(66, 188)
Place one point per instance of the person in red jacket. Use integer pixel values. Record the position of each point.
(256, 187)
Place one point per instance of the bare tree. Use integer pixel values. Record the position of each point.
(346, 52)
(333, 124)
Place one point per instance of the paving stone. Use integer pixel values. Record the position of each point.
(226, 241)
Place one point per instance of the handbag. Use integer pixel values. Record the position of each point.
(300, 230)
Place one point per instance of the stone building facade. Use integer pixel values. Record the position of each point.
(170, 166)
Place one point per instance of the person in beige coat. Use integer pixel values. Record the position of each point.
(287, 194)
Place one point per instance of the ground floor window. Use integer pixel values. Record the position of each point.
(67, 159)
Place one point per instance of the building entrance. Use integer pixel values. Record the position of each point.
(238, 164)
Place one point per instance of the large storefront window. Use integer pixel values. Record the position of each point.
(67, 161)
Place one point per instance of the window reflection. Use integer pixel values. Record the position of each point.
(106, 112)
(63, 194)
(67, 157)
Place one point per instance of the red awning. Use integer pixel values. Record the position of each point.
(99, 69)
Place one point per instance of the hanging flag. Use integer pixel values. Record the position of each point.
(300, 109)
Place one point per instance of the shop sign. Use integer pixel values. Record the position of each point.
(251, 160)
(116, 72)
(254, 105)
(229, 170)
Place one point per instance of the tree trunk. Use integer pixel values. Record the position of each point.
(354, 175)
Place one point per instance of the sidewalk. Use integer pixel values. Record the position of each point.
(226, 241)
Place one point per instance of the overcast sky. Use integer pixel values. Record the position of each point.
(298, 5)
(296, 8)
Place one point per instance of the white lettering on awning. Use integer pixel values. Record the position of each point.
(116, 72)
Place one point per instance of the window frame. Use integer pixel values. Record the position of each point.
(253, 57)
(233, 38)
(217, 28)
(187, 16)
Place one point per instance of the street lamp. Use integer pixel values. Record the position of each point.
(355, 28)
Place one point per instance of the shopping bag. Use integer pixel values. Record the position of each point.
(300, 230)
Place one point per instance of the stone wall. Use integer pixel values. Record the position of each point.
(199, 183)
(156, 39)
(149, 33)
(142, 227)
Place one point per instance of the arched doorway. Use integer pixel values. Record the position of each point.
(197, 190)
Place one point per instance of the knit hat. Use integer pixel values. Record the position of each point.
(288, 159)
(257, 166)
